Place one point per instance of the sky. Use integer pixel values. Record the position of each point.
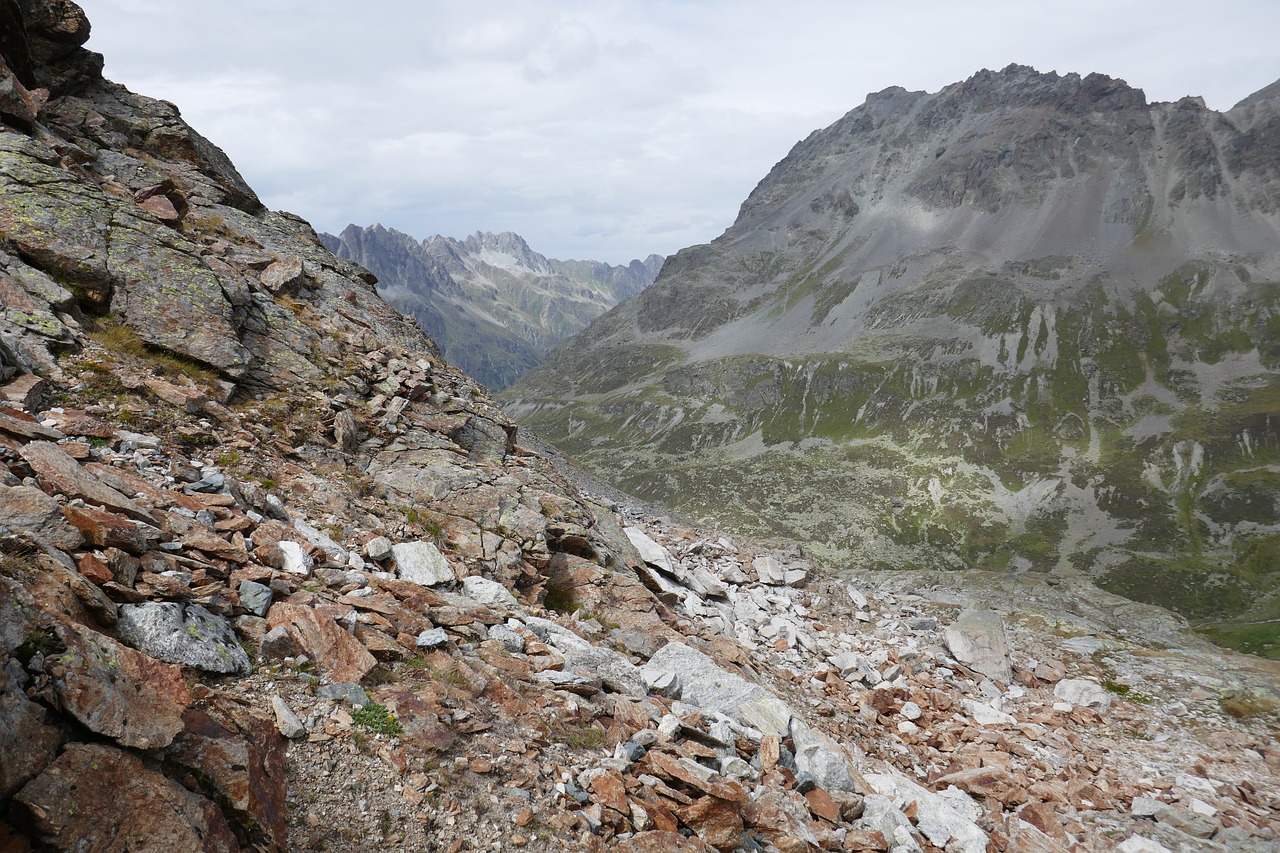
(607, 129)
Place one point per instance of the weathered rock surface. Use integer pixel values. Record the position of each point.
(96, 797)
(190, 635)
(976, 639)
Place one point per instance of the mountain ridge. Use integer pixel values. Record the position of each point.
(495, 306)
(1045, 275)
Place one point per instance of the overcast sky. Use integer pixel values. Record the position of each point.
(607, 129)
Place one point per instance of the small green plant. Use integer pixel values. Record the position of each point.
(1239, 706)
(267, 483)
(559, 598)
(1124, 691)
(578, 735)
(377, 719)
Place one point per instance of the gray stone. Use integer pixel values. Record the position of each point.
(287, 721)
(650, 551)
(1145, 806)
(613, 670)
(432, 638)
(321, 540)
(346, 691)
(662, 682)
(512, 641)
(278, 644)
(211, 483)
(255, 597)
(977, 640)
(574, 682)
(769, 571)
(421, 563)
(947, 819)
(821, 757)
(487, 592)
(189, 635)
(1184, 820)
(706, 685)
(1141, 844)
(1081, 691)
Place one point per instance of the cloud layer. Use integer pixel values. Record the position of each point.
(606, 129)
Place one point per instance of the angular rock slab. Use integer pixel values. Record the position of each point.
(705, 684)
(650, 551)
(116, 691)
(190, 635)
(28, 743)
(977, 640)
(332, 648)
(26, 508)
(820, 756)
(94, 797)
(947, 819)
(241, 767)
(487, 592)
(1082, 691)
(59, 473)
(613, 670)
(422, 563)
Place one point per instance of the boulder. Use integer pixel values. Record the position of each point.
(378, 549)
(58, 473)
(115, 691)
(977, 640)
(650, 551)
(1083, 692)
(334, 650)
(28, 741)
(820, 757)
(947, 819)
(190, 635)
(240, 764)
(487, 591)
(421, 563)
(27, 508)
(706, 685)
(111, 788)
(614, 671)
(255, 597)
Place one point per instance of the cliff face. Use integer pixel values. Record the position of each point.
(1028, 321)
(495, 306)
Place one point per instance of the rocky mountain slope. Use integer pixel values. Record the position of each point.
(1028, 321)
(495, 306)
(273, 576)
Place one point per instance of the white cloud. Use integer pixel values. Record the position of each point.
(606, 128)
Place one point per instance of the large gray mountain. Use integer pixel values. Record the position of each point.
(495, 306)
(1028, 321)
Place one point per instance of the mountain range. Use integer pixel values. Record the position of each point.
(495, 306)
(1030, 321)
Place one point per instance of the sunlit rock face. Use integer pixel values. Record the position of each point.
(1029, 321)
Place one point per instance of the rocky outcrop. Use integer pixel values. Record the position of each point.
(495, 306)
(1024, 322)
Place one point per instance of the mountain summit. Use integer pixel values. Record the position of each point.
(1028, 321)
(495, 306)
